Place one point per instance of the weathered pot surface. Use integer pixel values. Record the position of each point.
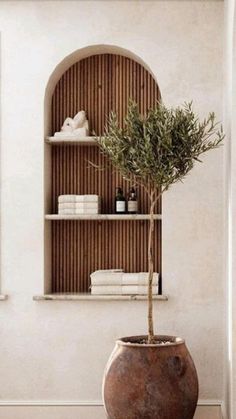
(150, 381)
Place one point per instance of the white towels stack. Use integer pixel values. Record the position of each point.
(79, 204)
(117, 282)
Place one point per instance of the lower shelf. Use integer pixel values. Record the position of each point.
(102, 217)
(89, 297)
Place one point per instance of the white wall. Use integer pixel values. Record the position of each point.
(57, 350)
(230, 176)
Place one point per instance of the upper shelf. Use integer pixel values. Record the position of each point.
(91, 141)
(102, 217)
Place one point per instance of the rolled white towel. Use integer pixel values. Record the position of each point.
(78, 198)
(122, 290)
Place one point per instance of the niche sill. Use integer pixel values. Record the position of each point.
(89, 297)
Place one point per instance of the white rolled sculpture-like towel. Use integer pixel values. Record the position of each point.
(74, 127)
(80, 119)
(68, 125)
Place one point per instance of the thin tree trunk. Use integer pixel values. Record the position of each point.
(150, 270)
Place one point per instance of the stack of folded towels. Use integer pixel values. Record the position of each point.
(79, 204)
(117, 282)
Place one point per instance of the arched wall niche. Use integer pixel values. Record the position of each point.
(97, 83)
(77, 56)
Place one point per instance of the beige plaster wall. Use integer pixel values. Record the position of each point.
(57, 350)
(230, 183)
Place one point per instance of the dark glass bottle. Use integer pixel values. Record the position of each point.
(120, 202)
(132, 202)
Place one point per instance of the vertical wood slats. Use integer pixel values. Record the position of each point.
(97, 84)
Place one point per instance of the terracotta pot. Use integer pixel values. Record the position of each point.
(155, 381)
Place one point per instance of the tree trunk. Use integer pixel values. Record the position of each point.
(150, 270)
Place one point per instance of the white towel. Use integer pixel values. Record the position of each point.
(78, 205)
(73, 135)
(139, 278)
(106, 278)
(120, 278)
(78, 211)
(106, 270)
(122, 290)
(78, 198)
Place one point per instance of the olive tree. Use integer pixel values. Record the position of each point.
(156, 151)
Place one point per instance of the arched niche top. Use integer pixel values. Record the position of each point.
(77, 56)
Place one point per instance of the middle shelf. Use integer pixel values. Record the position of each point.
(102, 217)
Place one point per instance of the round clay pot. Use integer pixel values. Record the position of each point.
(150, 381)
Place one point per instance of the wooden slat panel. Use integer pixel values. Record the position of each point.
(97, 84)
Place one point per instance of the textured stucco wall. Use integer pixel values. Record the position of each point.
(57, 350)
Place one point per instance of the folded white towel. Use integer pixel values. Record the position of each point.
(122, 290)
(70, 211)
(106, 278)
(120, 278)
(106, 271)
(78, 205)
(140, 278)
(78, 198)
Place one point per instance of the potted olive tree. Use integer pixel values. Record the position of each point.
(154, 376)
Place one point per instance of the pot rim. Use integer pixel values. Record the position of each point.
(127, 341)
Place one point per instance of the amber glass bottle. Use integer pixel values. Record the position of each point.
(132, 202)
(120, 202)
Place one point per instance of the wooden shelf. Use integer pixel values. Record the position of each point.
(89, 297)
(83, 141)
(102, 217)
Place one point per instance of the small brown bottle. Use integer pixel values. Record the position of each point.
(132, 202)
(120, 202)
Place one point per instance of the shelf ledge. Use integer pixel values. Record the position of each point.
(3, 297)
(70, 140)
(89, 297)
(101, 217)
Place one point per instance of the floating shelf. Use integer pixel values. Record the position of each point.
(83, 141)
(87, 297)
(102, 217)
